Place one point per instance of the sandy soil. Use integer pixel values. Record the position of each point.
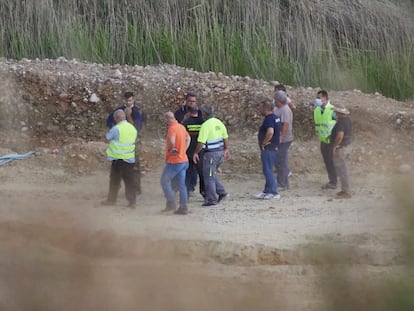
(67, 251)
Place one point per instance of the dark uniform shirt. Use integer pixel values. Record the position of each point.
(193, 125)
(180, 113)
(342, 125)
(273, 121)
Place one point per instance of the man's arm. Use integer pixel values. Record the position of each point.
(171, 144)
(113, 134)
(226, 149)
(338, 140)
(283, 130)
(198, 148)
(187, 141)
(128, 114)
(268, 137)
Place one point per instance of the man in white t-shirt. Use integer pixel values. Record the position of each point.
(286, 138)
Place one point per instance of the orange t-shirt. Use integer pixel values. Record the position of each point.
(178, 131)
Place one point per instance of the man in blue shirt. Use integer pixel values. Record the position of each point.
(268, 138)
(135, 117)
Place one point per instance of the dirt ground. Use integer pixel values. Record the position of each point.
(61, 250)
(67, 252)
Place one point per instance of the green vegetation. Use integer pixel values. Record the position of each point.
(368, 45)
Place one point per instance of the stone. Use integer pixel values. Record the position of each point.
(94, 98)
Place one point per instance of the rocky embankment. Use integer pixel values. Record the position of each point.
(52, 102)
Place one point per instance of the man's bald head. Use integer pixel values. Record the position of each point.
(119, 115)
(169, 117)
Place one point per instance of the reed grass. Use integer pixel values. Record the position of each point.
(368, 45)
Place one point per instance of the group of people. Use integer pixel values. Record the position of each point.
(333, 129)
(197, 143)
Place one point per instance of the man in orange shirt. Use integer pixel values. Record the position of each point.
(176, 144)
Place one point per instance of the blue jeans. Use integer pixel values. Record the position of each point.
(268, 158)
(282, 165)
(174, 173)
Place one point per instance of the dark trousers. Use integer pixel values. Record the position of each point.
(213, 186)
(327, 154)
(125, 171)
(192, 172)
(282, 165)
(137, 175)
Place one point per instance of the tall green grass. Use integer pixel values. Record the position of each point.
(338, 44)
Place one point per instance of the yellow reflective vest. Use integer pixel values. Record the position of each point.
(324, 122)
(124, 147)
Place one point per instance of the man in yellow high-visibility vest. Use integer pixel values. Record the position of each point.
(121, 151)
(324, 118)
(213, 140)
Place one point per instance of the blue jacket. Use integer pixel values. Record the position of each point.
(137, 116)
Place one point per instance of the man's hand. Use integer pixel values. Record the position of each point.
(128, 111)
(196, 158)
(226, 154)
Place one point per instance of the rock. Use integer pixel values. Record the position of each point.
(117, 74)
(64, 96)
(82, 156)
(94, 98)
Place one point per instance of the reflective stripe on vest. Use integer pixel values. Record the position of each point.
(214, 144)
(124, 147)
(324, 123)
(194, 127)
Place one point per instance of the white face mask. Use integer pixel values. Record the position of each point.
(318, 102)
(274, 102)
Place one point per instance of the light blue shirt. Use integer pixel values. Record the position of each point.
(113, 134)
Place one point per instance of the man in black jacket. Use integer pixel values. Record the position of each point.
(136, 118)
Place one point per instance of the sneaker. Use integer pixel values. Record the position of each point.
(343, 195)
(270, 196)
(260, 195)
(328, 186)
(222, 197)
(181, 211)
(208, 204)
